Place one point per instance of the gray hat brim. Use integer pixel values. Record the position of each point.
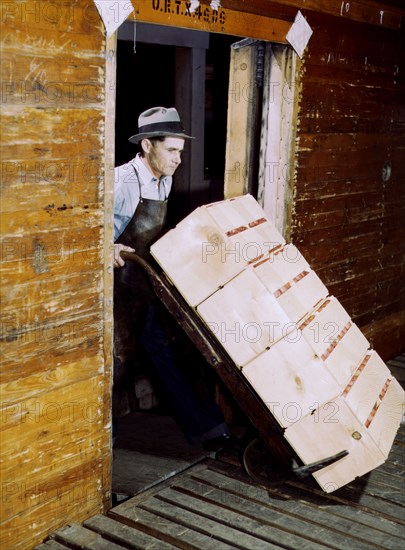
(139, 137)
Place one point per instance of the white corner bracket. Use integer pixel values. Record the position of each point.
(113, 13)
(215, 5)
(194, 4)
(299, 34)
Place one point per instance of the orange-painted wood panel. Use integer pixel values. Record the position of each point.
(55, 327)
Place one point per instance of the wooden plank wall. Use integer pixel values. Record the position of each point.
(55, 326)
(346, 221)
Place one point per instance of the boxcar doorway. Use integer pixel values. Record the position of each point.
(164, 66)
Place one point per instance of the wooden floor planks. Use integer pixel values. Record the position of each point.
(214, 505)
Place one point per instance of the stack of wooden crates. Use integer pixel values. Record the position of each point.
(294, 343)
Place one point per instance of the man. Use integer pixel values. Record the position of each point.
(142, 187)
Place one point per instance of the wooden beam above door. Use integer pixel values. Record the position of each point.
(177, 13)
(383, 13)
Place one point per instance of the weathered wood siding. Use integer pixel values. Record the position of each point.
(55, 332)
(348, 222)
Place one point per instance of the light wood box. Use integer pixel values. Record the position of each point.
(213, 244)
(296, 345)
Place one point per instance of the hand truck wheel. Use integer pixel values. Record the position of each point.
(261, 465)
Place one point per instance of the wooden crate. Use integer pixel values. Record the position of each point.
(213, 244)
(291, 380)
(295, 345)
(335, 338)
(245, 317)
(287, 275)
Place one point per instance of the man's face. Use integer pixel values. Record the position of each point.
(163, 157)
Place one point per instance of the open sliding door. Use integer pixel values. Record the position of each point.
(244, 106)
(260, 128)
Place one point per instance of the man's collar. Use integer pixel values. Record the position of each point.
(144, 173)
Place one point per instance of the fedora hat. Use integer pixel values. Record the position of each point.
(159, 121)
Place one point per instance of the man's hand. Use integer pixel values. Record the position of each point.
(118, 261)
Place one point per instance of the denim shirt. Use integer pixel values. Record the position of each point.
(126, 191)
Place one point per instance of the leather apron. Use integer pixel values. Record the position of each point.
(132, 296)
